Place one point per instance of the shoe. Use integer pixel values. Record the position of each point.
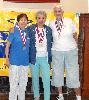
(60, 98)
(78, 97)
(37, 98)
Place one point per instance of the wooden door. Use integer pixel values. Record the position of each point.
(84, 33)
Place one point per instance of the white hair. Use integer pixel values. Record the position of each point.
(58, 6)
(42, 13)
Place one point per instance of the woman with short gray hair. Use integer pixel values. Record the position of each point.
(40, 58)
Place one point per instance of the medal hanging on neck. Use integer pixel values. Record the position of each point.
(40, 35)
(23, 37)
(59, 25)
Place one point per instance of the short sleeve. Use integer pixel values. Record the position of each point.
(73, 26)
(10, 37)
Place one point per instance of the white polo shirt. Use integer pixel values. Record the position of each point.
(64, 41)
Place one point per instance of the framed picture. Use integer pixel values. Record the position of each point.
(34, 1)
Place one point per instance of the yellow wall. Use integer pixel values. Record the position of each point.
(73, 6)
(5, 25)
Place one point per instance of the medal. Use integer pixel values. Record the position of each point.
(58, 35)
(40, 45)
(24, 47)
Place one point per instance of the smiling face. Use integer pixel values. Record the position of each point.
(58, 12)
(41, 18)
(22, 22)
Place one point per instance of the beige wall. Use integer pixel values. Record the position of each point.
(88, 6)
(75, 5)
(28, 6)
(80, 6)
(1, 4)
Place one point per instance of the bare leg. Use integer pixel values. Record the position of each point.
(60, 93)
(60, 90)
(78, 93)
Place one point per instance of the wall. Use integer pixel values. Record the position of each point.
(88, 6)
(1, 4)
(29, 6)
(80, 6)
(75, 5)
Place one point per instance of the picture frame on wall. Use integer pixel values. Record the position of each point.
(34, 1)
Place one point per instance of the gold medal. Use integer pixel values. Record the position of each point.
(40, 45)
(24, 47)
(58, 35)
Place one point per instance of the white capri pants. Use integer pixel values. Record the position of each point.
(18, 77)
(69, 60)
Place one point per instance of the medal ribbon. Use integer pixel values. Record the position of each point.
(59, 25)
(23, 36)
(40, 34)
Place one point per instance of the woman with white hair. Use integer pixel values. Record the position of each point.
(40, 54)
(64, 53)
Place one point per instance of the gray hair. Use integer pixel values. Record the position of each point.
(41, 13)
